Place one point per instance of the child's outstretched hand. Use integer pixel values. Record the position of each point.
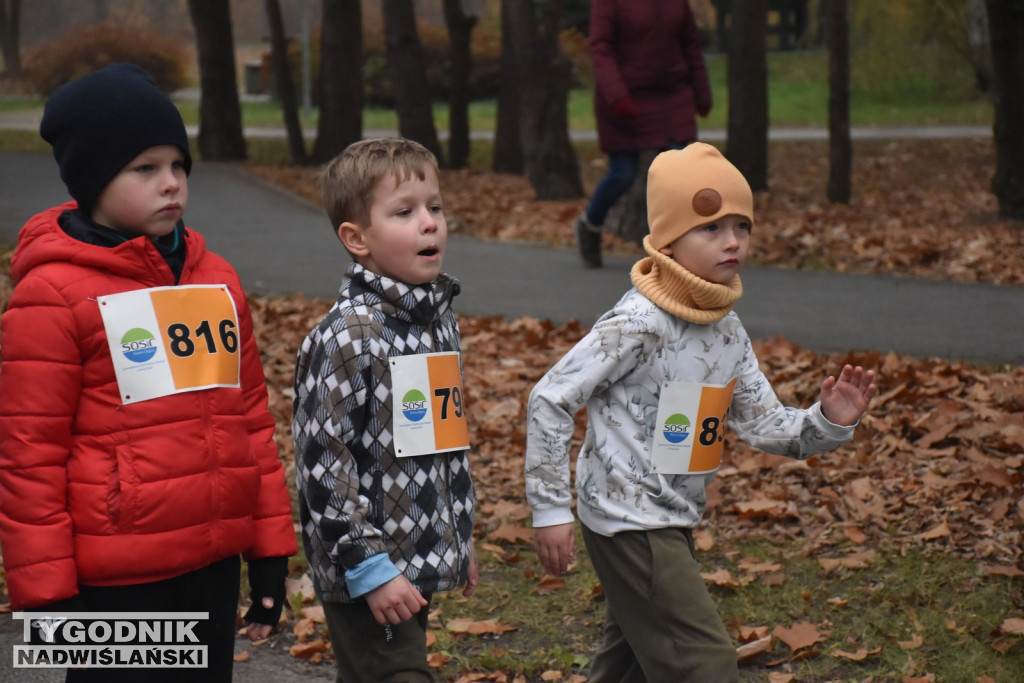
(844, 400)
(555, 546)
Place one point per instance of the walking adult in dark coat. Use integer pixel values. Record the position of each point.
(650, 81)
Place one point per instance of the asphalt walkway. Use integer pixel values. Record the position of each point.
(283, 244)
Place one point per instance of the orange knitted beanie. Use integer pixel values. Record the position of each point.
(693, 186)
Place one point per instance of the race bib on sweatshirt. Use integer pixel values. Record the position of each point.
(169, 340)
(690, 432)
(428, 412)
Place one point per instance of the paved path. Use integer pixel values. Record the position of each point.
(282, 244)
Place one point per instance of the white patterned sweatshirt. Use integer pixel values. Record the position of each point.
(618, 370)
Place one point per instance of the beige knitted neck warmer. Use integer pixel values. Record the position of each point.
(678, 291)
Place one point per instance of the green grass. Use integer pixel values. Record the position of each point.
(955, 610)
(797, 97)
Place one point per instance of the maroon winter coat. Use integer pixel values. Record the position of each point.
(650, 51)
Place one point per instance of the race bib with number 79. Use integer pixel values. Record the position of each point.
(169, 340)
(429, 415)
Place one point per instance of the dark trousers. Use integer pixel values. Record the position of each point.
(212, 589)
(367, 652)
(661, 625)
(622, 169)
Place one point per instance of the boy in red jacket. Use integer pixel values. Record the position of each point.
(137, 460)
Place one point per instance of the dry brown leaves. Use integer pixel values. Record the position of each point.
(920, 208)
(936, 463)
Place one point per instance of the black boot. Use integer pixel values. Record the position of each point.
(588, 237)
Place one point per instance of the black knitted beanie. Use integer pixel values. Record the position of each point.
(100, 122)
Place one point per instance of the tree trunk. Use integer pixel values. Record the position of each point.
(341, 79)
(220, 114)
(508, 143)
(1006, 29)
(285, 85)
(840, 148)
(747, 70)
(10, 37)
(100, 10)
(409, 76)
(544, 78)
(460, 28)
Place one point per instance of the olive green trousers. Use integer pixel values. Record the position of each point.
(661, 625)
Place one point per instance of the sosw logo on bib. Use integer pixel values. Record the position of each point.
(169, 340)
(690, 432)
(429, 415)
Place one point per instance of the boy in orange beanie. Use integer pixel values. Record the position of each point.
(661, 374)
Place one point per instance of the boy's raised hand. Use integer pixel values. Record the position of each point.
(844, 400)
(395, 601)
(555, 546)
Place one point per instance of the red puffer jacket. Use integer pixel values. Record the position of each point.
(100, 493)
(649, 51)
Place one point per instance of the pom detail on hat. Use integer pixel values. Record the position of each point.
(98, 123)
(693, 186)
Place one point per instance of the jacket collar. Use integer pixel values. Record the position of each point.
(416, 304)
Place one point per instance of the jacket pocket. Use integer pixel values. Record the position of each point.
(119, 491)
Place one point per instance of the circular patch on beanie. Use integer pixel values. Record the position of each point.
(707, 202)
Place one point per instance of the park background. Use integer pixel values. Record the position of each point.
(898, 558)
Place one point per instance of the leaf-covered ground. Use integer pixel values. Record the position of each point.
(936, 466)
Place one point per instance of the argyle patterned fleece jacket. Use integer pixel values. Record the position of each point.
(356, 498)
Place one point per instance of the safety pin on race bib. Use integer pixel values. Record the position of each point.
(690, 432)
(429, 415)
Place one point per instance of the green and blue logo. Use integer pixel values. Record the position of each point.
(677, 428)
(414, 405)
(138, 345)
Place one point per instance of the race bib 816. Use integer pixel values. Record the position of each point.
(169, 340)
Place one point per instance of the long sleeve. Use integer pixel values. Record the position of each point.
(599, 360)
(757, 417)
(608, 75)
(39, 386)
(332, 395)
(620, 371)
(694, 57)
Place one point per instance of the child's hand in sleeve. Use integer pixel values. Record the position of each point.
(844, 400)
(395, 601)
(556, 546)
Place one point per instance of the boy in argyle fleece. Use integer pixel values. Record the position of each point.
(386, 521)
